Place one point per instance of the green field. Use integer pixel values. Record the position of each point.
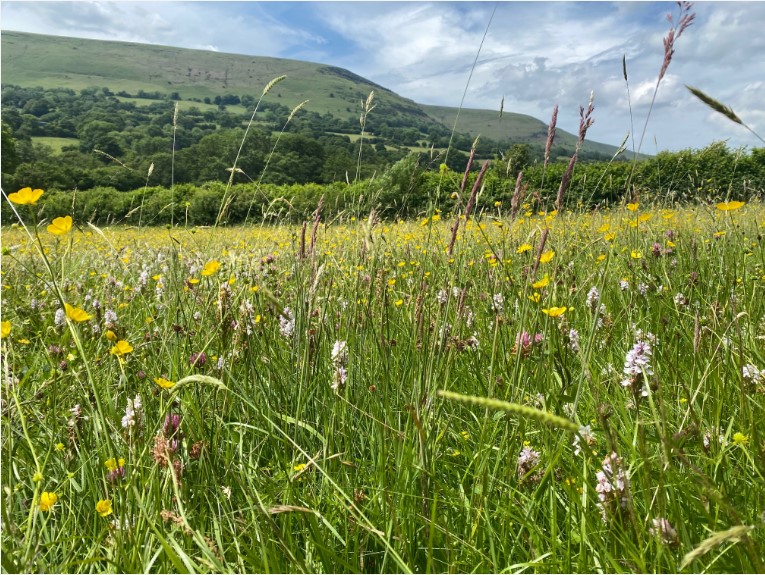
(225, 400)
(56, 143)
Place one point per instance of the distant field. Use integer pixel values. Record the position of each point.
(56, 143)
(184, 105)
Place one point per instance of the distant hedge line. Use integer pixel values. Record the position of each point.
(407, 189)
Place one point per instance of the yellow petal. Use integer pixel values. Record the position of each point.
(164, 383)
(60, 226)
(729, 206)
(211, 267)
(25, 196)
(121, 348)
(76, 314)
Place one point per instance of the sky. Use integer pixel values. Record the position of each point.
(535, 54)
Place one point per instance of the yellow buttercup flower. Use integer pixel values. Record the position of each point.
(523, 248)
(164, 383)
(729, 206)
(76, 314)
(121, 348)
(541, 283)
(104, 507)
(47, 500)
(5, 329)
(60, 226)
(211, 267)
(25, 196)
(554, 311)
(740, 439)
(633, 207)
(636, 254)
(546, 257)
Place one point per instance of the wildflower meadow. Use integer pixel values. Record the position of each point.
(234, 399)
(520, 385)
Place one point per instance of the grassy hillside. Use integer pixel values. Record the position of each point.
(517, 128)
(54, 61)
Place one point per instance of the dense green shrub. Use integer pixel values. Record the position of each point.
(411, 186)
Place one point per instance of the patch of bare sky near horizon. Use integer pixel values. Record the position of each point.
(535, 54)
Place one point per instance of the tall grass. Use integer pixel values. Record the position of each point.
(551, 392)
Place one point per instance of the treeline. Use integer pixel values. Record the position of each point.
(414, 185)
(200, 143)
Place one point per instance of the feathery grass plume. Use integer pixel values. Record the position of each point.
(550, 135)
(476, 187)
(316, 220)
(543, 417)
(112, 158)
(469, 164)
(540, 251)
(143, 193)
(301, 253)
(272, 83)
(685, 20)
(294, 111)
(469, 206)
(366, 108)
(172, 168)
(732, 535)
(676, 30)
(515, 202)
(224, 200)
(585, 121)
(721, 108)
(629, 103)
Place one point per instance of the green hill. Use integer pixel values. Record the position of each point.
(30, 60)
(516, 128)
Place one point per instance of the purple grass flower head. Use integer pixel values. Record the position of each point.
(198, 359)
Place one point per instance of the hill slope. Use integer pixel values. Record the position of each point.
(55, 61)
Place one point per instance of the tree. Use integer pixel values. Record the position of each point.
(10, 157)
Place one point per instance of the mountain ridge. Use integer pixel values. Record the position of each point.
(77, 63)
